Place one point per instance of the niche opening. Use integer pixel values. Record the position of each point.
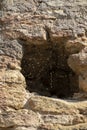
(46, 70)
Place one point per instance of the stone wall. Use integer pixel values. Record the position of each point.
(43, 57)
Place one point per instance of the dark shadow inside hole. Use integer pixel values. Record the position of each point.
(46, 71)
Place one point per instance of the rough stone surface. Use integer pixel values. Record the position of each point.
(78, 63)
(43, 50)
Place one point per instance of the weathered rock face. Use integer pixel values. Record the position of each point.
(78, 63)
(43, 51)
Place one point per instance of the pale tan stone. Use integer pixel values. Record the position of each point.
(63, 26)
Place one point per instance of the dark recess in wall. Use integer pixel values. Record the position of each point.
(46, 70)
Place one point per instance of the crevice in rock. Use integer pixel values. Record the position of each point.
(47, 34)
(46, 70)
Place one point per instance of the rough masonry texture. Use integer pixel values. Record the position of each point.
(43, 65)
